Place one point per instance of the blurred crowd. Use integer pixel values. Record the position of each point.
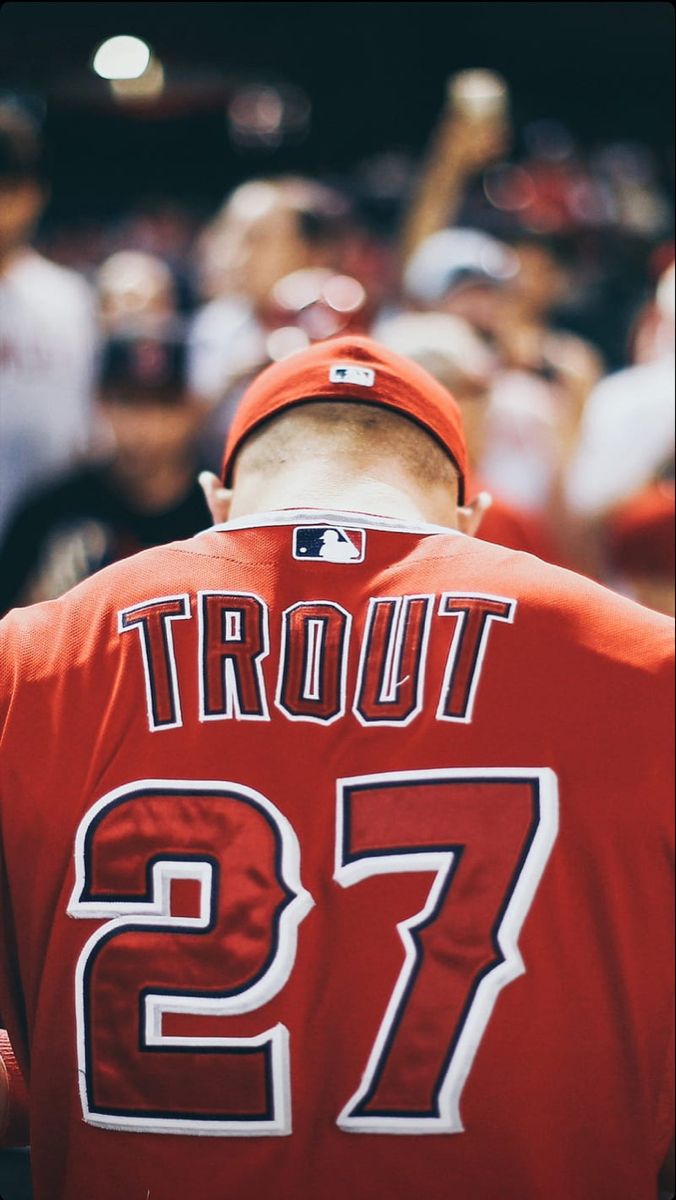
(534, 280)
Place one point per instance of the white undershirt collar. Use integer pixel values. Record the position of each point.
(320, 516)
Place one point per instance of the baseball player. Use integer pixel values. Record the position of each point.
(339, 875)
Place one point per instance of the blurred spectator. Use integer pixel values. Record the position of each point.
(266, 230)
(472, 132)
(626, 441)
(519, 265)
(468, 274)
(464, 272)
(640, 547)
(548, 406)
(652, 336)
(136, 291)
(450, 349)
(627, 433)
(290, 234)
(166, 232)
(609, 203)
(528, 336)
(47, 331)
(143, 494)
(306, 306)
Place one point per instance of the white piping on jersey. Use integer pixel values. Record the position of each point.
(332, 517)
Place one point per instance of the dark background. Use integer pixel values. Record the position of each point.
(375, 73)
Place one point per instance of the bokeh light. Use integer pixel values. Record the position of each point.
(121, 57)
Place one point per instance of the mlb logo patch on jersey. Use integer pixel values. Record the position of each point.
(329, 543)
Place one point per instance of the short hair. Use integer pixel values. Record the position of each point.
(21, 150)
(355, 430)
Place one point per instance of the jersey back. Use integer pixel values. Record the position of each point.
(337, 862)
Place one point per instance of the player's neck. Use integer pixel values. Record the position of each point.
(368, 491)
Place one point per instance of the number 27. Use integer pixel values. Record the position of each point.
(484, 835)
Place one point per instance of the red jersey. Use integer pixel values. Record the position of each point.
(322, 835)
(507, 525)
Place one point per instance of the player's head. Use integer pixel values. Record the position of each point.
(22, 190)
(347, 410)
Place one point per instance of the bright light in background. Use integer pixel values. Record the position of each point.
(121, 58)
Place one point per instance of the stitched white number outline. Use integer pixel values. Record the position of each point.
(441, 852)
(155, 913)
(447, 794)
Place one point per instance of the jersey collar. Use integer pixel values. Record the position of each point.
(318, 516)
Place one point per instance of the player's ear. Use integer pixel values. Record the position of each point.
(218, 498)
(471, 515)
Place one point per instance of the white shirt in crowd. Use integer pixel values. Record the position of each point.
(626, 437)
(522, 436)
(226, 341)
(47, 347)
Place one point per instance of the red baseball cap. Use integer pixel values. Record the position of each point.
(351, 369)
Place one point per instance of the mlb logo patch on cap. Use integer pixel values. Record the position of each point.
(348, 373)
(329, 543)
